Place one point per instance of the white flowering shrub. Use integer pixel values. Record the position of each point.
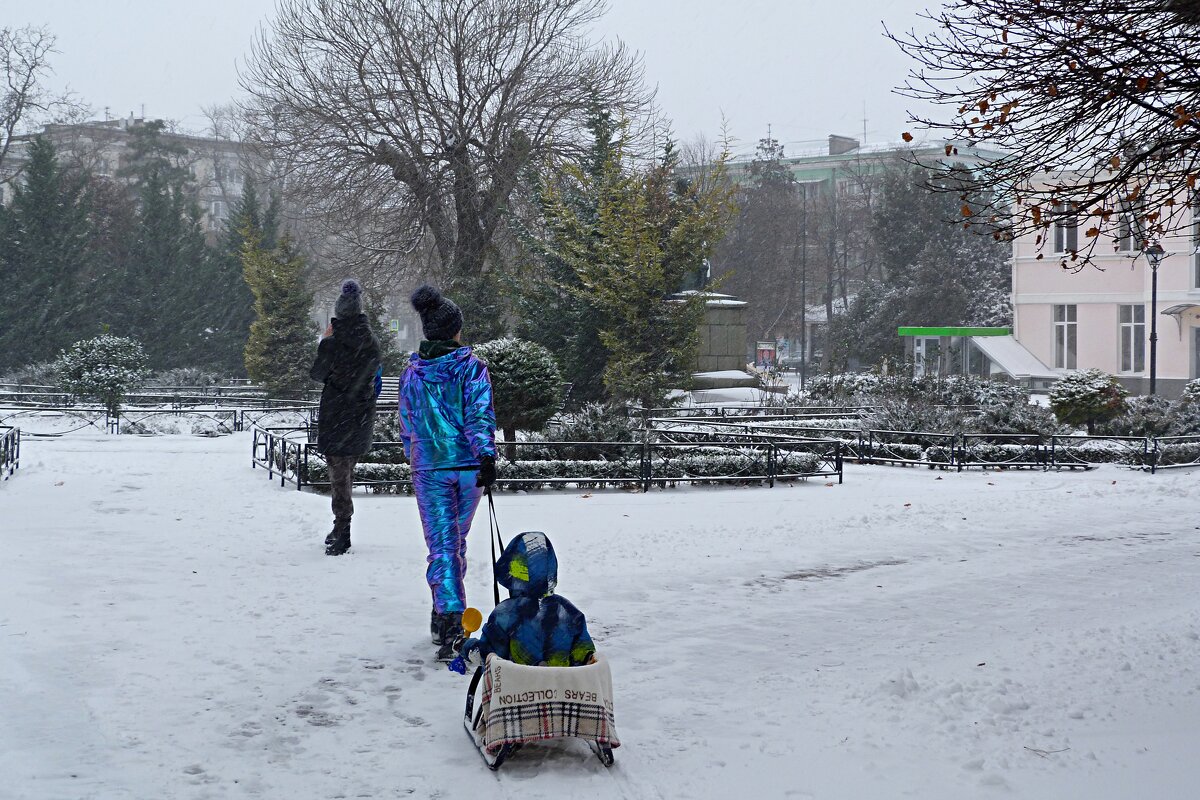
(107, 368)
(1087, 397)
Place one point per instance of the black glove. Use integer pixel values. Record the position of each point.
(487, 472)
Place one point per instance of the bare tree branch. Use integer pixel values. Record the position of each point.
(423, 115)
(1093, 104)
(25, 100)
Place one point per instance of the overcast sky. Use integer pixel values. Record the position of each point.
(807, 68)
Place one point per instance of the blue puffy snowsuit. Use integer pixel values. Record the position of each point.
(534, 626)
(447, 423)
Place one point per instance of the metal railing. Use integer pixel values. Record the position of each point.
(224, 420)
(10, 450)
(288, 453)
(1171, 452)
(964, 450)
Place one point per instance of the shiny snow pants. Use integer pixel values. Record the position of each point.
(447, 499)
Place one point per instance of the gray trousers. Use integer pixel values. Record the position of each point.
(341, 476)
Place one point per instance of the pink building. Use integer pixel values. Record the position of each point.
(1100, 316)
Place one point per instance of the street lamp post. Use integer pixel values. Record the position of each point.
(1154, 254)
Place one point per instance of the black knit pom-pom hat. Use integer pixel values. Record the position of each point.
(349, 302)
(441, 319)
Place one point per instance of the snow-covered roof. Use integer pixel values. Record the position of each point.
(1012, 356)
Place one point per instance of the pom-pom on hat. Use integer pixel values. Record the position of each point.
(349, 302)
(441, 319)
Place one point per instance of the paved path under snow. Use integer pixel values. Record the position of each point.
(169, 628)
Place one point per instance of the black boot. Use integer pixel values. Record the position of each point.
(450, 638)
(435, 631)
(338, 540)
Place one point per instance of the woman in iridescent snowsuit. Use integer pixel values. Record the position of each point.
(448, 427)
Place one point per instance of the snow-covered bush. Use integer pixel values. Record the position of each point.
(1191, 393)
(1087, 397)
(387, 425)
(527, 387)
(1185, 419)
(184, 376)
(910, 415)
(107, 367)
(1147, 415)
(1017, 416)
(38, 374)
(867, 388)
(598, 422)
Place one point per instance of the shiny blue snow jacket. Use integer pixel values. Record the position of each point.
(534, 626)
(447, 420)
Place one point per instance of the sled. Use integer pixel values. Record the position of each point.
(520, 704)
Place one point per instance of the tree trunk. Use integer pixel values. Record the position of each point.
(510, 449)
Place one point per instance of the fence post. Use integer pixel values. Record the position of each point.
(771, 464)
(646, 469)
(958, 446)
(1151, 455)
(302, 469)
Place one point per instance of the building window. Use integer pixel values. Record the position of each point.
(216, 214)
(1066, 231)
(1065, 337)
(1196, 243)
(1133, 338)
(1127, 238)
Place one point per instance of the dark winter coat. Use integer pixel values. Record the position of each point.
(347, 363)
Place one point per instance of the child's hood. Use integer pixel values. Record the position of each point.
(528, 566)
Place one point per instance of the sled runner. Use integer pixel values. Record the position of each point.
(520, 704)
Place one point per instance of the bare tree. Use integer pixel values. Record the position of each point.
(422, 115)
(1095, 105)
(25, 100)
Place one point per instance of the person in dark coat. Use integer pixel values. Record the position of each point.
(349, 363)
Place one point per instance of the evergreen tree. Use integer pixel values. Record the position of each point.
(231, 319)
(553, 310)
(758, 255)
(45, 238)
(282, 339)
(648, 233)
(394, 359)
(925, 269)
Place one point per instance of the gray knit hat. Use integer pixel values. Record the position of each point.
(349, 302)
(440, 317)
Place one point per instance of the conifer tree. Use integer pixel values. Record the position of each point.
(553, 309)
(650, 232)
(45, 237)
(282, 339)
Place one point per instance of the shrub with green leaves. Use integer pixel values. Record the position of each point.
(527, 387)
(1087, 397)
(107, 368)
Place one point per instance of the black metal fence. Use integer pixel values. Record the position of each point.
(968, 450)
(135, 419)
(288, 454)
(10, 450)
(175, 397)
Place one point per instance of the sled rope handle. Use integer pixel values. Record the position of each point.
(494, 537)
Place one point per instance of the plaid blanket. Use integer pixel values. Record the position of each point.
(525, 704)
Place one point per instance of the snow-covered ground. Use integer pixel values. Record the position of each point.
(169, 628)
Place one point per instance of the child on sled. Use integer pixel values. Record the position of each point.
(534, 627)
(525, 698)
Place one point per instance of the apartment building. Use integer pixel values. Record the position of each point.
(1102, 315)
